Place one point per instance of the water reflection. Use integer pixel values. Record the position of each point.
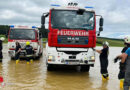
(36, 77)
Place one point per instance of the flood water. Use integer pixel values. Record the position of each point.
(36, 77)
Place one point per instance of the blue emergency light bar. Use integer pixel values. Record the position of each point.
(55, 5)
(11, 26)
(89, 7)
(34, 27)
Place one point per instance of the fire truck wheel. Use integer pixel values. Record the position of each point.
(85, 68)
(37, 58)
(50, 67)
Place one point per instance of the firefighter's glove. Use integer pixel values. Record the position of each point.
(116, 59)
(122, 66)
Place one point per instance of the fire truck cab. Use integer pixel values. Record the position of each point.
(22, 34)
(71, 37)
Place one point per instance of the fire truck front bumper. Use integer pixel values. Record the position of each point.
(79, 62)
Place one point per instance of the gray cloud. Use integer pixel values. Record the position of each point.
(115, 12)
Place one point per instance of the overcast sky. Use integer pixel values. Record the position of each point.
(116, 13)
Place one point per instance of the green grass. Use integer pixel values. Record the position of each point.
(44, 39)
(112, 42)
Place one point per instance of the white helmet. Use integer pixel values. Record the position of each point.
(106, 43)
(127, 39)
(2, 38)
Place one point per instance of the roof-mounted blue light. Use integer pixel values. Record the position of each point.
(11, 26)
(55, 5)
(34, 27)
(89, 7)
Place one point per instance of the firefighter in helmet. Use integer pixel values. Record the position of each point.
(29, 52)
(104, 60)
(121, 74)
(125, 63)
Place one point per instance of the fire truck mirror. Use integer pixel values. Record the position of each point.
(43, 20)
(80, 11)
(100, 28)
(101, 22)
(43, 26)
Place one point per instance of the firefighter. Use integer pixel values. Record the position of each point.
(1, 47)
(104, 60)
(29, 52)
(17, 52)
(125, 57)
(121, 74)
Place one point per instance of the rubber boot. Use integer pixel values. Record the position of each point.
(28, 62)
(105, 77)
(31, 61)
(17, 61)
(121, 83)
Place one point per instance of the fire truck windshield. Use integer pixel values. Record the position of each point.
(69, 19)
(22, 34)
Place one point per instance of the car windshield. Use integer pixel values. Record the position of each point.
(22, 34)
(68, 19)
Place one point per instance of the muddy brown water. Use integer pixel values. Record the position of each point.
(36, 77)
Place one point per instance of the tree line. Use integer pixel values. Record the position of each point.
(4, 29)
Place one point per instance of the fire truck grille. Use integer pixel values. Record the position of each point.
(78, 40)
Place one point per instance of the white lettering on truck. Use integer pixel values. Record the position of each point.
(73, 33)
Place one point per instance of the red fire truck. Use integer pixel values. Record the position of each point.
(71, 36)
(22, 34)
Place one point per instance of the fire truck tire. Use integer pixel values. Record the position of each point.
(12, 58)
(50, 67)
(85, 68)
(37, 57)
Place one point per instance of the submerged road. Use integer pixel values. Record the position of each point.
(36, 77)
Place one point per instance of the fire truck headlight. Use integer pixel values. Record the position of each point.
(50, 57)
(92, 58)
